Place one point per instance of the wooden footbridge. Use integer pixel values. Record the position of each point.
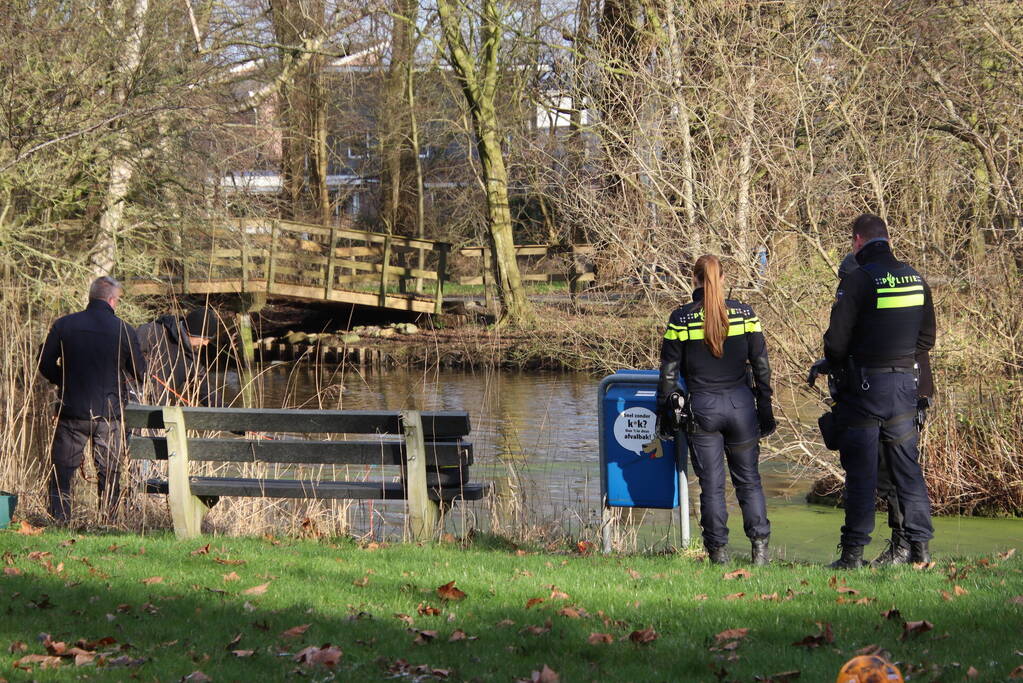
(301, 261)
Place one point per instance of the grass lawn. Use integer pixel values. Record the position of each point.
(248, 609)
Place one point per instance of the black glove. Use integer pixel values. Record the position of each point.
(922, 405)
(765, 419)
(821, 367)
(669, 415)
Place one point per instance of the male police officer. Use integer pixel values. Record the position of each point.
(882, 316)
(90, 355)
(897, 551)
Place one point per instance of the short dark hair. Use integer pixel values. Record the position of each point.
(104, 288)
(869, 226)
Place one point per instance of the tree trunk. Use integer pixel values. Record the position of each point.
(478, 79)
(103, 255)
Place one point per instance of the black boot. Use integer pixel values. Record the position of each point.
(718, 555)
(919, 552)
(897, 552)
(852, 558)
(759, 553)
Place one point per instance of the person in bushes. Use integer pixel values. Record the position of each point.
(173, 348)
(91, 356)
(883, 316)
(716, 344)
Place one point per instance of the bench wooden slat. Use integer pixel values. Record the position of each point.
(297, 451)
(305, 488)
(435, 424)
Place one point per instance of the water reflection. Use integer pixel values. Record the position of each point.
(535, 436)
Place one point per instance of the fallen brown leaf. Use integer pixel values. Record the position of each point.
(701, 596)
(458, 634)
(423, 637)
(735, 596)
(558, 595)
(243, 653)
(737, 574)
(504, 622)
(256, 590)
(12, 571)
(1017, 672)
(545, 675)
(409, 621)
(295, 631)
(152, 579)
(823, 636)
(644, 636)
(959, 590)
(27, 529)
(44, 661)
(584, 547)
(972, 673)
(327, 655)
(197, 677)
(1018, 600)
(732, 634)
(892, 614)
(234, 641)
(1007, 554)
(230, 563)
(17, 646)
(634, 574)
(572, 612)
(533, 601)
(449, 592)
(361, 583)
(915, 628)
(427, 610)
(204, 550)
(847, 590)
(600, 639)
(232, 576)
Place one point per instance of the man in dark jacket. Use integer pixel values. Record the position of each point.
(173, 347)
(883, 316)
(90, 356)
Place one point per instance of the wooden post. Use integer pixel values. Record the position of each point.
(382, 302)
(442, 268)
(573, 273)
(423, 513)
(187, 511)
(271, 268)
(243, 323)
(245, 264)
(328, 285)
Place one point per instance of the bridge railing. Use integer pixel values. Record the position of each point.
(537, 263)
(315, 262)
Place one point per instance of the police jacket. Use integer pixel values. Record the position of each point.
(684, 351)
(90, 356)
(883, 314)
(174, 366)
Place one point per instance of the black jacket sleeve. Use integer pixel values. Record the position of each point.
(48, 366)
(133, 362)
(928, 326)
(672, 360)
(758, 359)
(848, 300)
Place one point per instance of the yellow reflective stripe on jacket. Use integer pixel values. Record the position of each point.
(676, 335)
(900, 290)
(753, 325)
(904, 301)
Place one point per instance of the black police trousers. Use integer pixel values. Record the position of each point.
(727, 429)
(68, 453)
(879, 412)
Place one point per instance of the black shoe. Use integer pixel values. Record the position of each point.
(759, 553)
(852, 558)
(897, 552)
(718, 555)
(919, 552)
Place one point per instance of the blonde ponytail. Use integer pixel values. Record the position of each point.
(715, 316)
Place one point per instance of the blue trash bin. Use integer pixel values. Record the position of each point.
(637, 469)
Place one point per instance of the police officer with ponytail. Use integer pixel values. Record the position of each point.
(718, 346)
(882, 318)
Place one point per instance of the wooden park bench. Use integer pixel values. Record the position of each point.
(428, 447)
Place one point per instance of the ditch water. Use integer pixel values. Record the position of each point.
(535, 436)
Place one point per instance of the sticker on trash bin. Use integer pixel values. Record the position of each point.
(635, 428)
